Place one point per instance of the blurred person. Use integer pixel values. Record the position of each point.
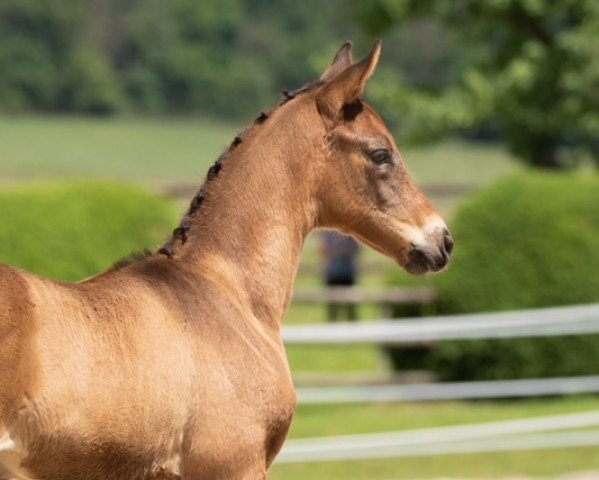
(340, 254)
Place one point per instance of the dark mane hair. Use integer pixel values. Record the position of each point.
(132, 258)
(180, 234)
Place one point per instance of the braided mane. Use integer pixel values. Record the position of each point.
(181, 232)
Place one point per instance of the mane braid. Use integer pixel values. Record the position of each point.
(181, 232)
(290, 95)
(132, 258)
(261, 118)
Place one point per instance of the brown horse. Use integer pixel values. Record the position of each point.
(172, 366)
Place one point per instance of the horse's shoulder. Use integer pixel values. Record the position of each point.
(15, 291)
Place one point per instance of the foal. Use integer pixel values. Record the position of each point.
(172, 366)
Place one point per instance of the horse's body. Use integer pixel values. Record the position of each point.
(117, 378)
(172, 366)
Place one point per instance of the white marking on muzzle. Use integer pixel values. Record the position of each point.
(431, 232)
(6, 443)
(435, 225)
(11, 456)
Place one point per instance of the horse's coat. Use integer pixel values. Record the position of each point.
(172, 366)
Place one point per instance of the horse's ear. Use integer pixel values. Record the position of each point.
(347, 86)
(341, 61)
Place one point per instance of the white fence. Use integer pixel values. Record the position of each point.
(530, 433)
(535, 433)
(450, 390)
(576, 320)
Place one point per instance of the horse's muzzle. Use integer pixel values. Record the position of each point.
(424, 259)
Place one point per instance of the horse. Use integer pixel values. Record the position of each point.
(171, 365)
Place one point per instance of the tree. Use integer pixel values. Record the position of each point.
(530, 70)
(219, 57)
(46, 62)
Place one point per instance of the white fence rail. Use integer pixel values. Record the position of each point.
(530, 433)
(534, 433)
(449, 390)
(577, 320)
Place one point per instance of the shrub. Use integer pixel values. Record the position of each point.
(75, 230)
(529, 241)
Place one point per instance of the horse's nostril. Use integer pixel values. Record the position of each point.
(448, 243)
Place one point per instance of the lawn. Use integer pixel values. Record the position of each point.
(155, 152)
(148, 151)
(331, 420)
(158, 151)
(515, 465)
(312, 421)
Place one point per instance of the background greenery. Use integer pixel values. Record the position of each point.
(528, 241)
(152, 76)
(525, 71)
(223, 57)
(146, 152)
(75, 230)
(343, 419)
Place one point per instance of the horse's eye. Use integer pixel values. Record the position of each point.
(380, 156)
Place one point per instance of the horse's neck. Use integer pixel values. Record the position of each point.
(249, 234)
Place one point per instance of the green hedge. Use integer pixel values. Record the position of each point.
(530, 241)
(73, 230)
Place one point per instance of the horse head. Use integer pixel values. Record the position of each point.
(365, 188)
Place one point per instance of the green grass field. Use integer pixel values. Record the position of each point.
(144, 151)
(514, 465)
(158, 151)
(330, 420)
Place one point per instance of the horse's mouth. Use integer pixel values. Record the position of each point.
(421, 261)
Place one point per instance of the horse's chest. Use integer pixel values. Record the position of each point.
(241, 424)
(11, 456)
(58, 457)
(257, 413)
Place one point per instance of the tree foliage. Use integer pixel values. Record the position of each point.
(529, 69)
(46, 61)
(223, 57)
